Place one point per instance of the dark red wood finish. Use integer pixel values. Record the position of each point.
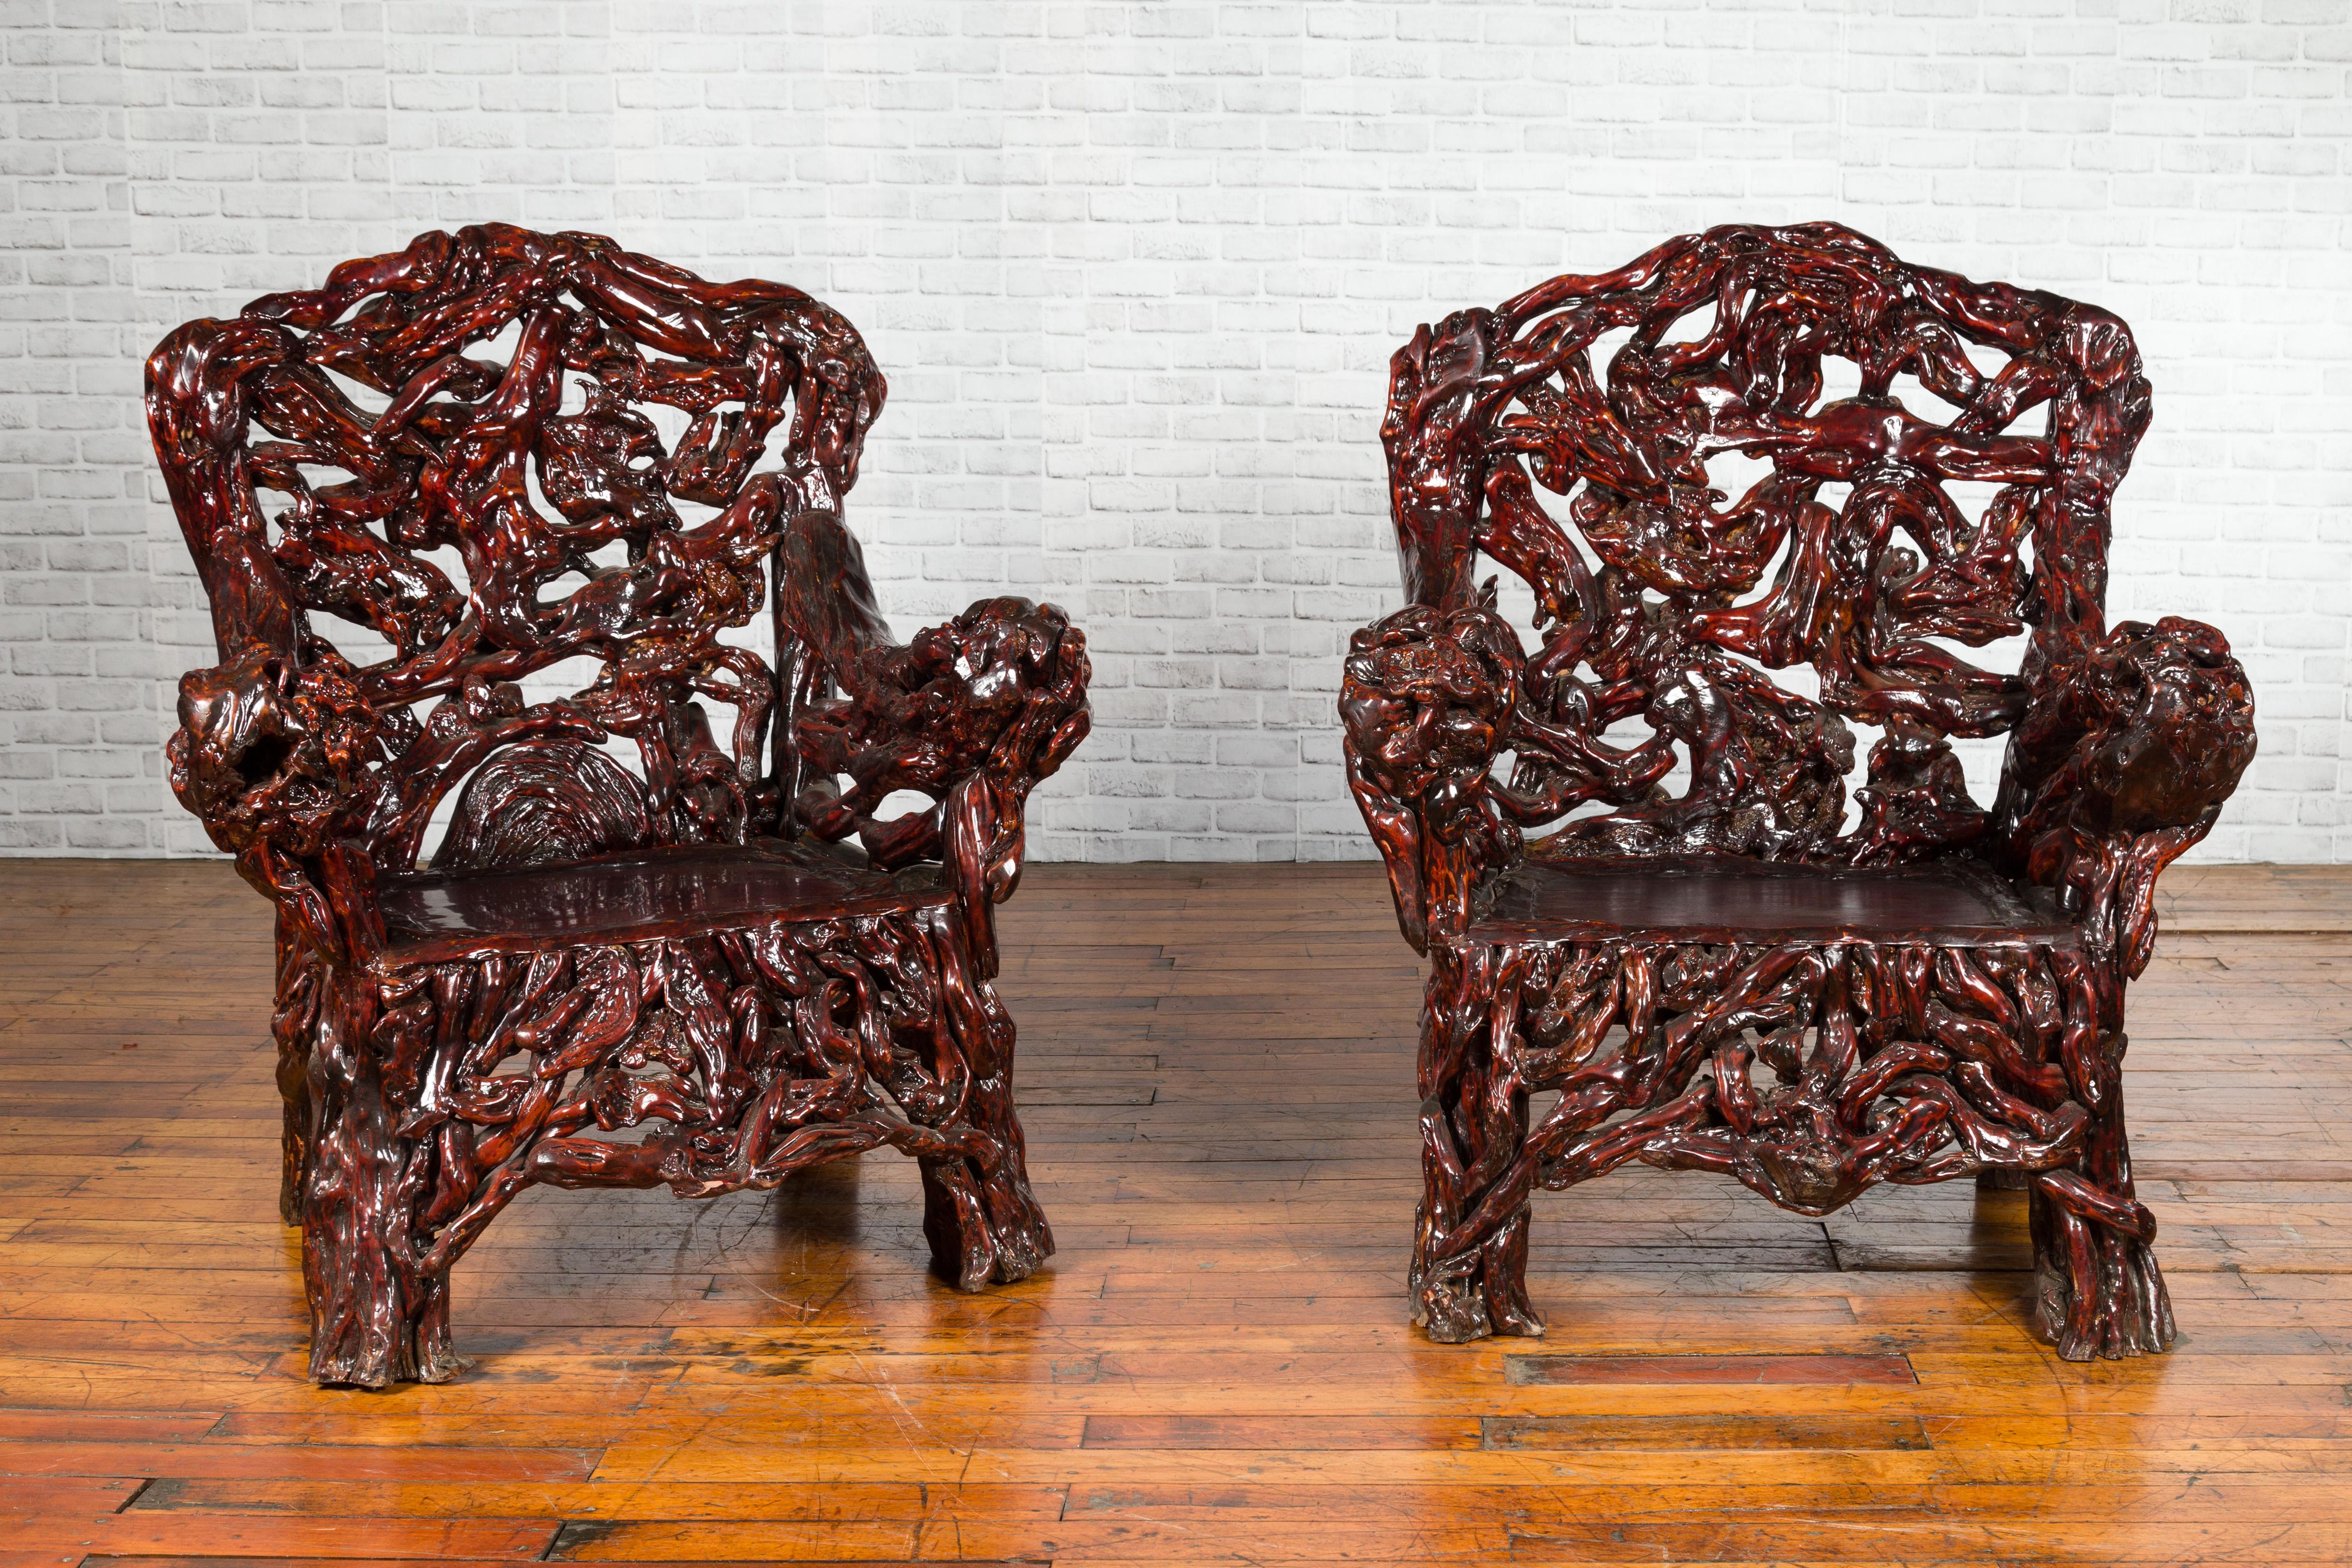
(682, 976)
(1729, 978)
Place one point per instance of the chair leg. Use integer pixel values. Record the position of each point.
(1474, 1126)
(955, 1222)
(986, 1225)
(1480, 1293)
(294, 1127)
(983, 1226)
(379, 1315)
(2097, 1291)
(300, 974)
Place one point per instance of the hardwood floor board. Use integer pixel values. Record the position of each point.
(2032, 1387)
(2327, 1431)
(785, 1294)
(1732, 1460)
(336, 1461)
(2048, 1399)
(1878, 1539)
(667, 1540)
(1020, 1336)
(1216, 1367)
(1871, 1536)
(876, 1427)
(121, 1426)
(2238, 898)
(2235, 1308)
(209, 1561)
(1537, 1505)
(54, 1495)
(1589, 1366)
(151, 1533)
(844, 1504)
(1515, 1508)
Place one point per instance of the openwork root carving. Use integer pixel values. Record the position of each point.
(379, 1302)
(2119, 768)
(2151, 730)
(269, 750)
(275, 758)
(1916, 804)
(1001, 689)
(1810, 1074)
(1651, 594)
(972, 714)
(544, 803)
(439, 1093)
(421, 1096)
(1482, 1294)
(1878, 1049)
(1426, 700)
(1466, 1283)
(446, 463)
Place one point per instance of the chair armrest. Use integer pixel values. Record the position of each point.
(1426, 703)
(317, 792)
(275, 759)
(972, 713)
(2121, 763)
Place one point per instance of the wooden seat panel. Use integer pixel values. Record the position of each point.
(1725, 898)
(638, 895)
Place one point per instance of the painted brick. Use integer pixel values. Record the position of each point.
(1136, 268)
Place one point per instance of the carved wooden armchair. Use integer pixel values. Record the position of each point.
(1731, 978)
(680, 975)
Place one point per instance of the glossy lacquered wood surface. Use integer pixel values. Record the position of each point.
(1214, 1368)
(774, 1008)
(1908, 1038)
(1955, 902)
(624, 897)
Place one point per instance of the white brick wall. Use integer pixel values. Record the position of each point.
(1135, 270)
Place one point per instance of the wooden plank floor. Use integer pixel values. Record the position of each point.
(1217, 1071)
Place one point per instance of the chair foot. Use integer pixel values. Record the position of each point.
(983, 1229)
(379, 1297)
(1481, 1294)
(378, 1315)
(2097, 1291)
(408, 1352)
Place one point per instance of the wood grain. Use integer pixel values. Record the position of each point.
(1216, 1368)
(1650, 1370)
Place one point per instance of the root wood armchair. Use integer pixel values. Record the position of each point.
(707, 973)
(1729, 978)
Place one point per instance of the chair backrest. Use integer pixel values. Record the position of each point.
(1653, 601)
(455, 440)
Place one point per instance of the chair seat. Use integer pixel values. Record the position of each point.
(1724, 898)
(643, 894)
